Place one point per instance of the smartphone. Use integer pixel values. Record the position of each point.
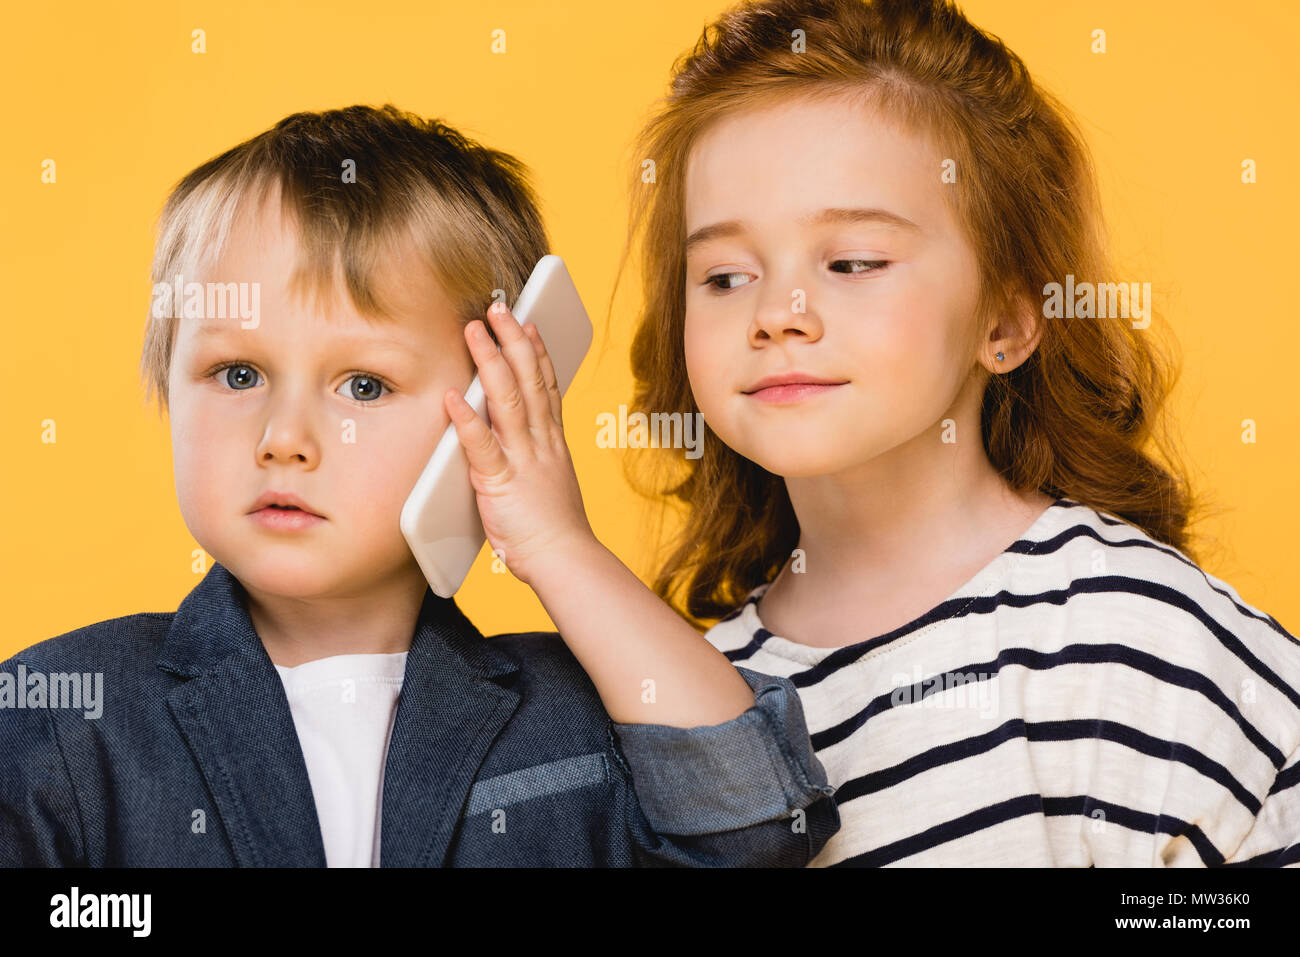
(440, 519)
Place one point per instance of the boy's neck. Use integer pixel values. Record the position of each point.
(380, 621)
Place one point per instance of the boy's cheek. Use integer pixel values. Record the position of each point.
(194, 420)
(206, 468)
(403, 444)
(362, 459)
(208, 497)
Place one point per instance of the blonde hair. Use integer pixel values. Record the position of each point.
(1074, 420)
(469, 210)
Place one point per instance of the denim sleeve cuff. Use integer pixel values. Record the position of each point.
(757, 767)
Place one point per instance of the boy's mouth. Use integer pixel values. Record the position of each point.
(282, 502)
(281, 519)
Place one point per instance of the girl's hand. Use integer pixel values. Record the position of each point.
(531, 506)
(527, 490)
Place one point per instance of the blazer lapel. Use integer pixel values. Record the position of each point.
(455, 700)
(234, 715)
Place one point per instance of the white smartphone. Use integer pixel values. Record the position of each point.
(440, 519)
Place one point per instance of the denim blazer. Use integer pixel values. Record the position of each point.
(501, 754)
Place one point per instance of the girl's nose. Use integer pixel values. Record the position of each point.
(786, 315)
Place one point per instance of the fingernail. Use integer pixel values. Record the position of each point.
(498, 307)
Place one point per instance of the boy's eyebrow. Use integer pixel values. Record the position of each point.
(210, 329)
(849, 215)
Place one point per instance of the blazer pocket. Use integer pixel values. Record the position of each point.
(567, 774)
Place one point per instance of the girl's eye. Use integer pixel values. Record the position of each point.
(365, 388)
(875, 265)
(854, 267)
(712, 280)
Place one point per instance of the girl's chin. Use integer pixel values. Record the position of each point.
(791, 450)
(790, 464)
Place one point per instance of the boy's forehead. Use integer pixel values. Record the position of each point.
(401, 333)
(265, 247)
(338, 331)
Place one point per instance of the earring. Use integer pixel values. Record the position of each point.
(999, 357)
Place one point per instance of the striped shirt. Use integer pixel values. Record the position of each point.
(1090, 697)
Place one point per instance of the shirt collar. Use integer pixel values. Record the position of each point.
(213, 623)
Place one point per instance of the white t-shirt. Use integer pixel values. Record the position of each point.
(1090, 697)
(343, 709)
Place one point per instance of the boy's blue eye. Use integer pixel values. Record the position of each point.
(241, 376)
(365, 388)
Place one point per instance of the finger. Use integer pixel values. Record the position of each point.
(506, 410)
(476, 437)
(548, 372)
(522, 356)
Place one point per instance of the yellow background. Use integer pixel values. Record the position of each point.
(91, 526)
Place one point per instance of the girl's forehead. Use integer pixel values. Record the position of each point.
(825, 118)
(794, 159)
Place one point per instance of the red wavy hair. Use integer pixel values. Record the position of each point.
(1081, 418)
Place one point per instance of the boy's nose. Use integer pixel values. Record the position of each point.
(288, 440)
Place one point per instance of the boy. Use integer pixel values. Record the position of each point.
(312, 702)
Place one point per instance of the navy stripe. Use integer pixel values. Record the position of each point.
(947, 831)
(1286, 779)
(750, 649)
(1072, 730)
(957, 607)
(1103, 516)
(1057, 541)
(1075, 729)
(736, 612)
(1081, 653)
(951, 609)
(1282, 857)
(1012, 808)
(1103, 584)
(1177, 599)
(1084, 805)
(948, 609)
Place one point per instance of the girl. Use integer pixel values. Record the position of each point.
(925, 495)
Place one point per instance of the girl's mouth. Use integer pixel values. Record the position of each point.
(790, 392)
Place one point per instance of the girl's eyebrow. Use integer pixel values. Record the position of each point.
(843, 215)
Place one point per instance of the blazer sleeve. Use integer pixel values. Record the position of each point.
(39, 820)
(746, 793)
